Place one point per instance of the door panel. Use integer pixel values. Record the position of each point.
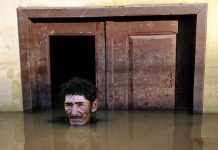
(117, 65)
(153, 71)
(141, 64)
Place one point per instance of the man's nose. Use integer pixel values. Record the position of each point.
(73, 110)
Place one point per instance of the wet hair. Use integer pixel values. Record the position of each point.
(78, 86)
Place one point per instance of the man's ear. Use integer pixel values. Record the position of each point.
(95, 105)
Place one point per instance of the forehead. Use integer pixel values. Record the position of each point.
(75, 98)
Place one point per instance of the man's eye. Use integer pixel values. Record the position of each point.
(79, 104)
(68, 105)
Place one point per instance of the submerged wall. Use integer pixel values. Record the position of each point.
(10, 80)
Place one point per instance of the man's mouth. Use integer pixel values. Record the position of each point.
(75, 117)
(76, 120)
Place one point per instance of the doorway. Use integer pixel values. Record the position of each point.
(70, 56)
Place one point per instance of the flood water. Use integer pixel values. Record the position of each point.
(114, 130)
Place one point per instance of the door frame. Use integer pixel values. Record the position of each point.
(28, 16)
(40, 73)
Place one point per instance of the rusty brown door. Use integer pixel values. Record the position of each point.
(140, 66)
(40, 56)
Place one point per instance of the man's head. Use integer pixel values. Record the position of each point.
(79, 100)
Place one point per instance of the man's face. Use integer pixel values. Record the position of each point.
(78, 109)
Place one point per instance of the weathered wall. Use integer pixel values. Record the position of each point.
(10, 81)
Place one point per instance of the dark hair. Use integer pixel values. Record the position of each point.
(78, 86)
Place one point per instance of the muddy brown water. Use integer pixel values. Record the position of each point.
(114, 130)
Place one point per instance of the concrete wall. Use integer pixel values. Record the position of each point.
(10, 81)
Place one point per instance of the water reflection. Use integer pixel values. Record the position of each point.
(78, 139)
(123, 130)
(186, 128)
(115, 130)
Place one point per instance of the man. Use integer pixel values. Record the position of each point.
(79, 100)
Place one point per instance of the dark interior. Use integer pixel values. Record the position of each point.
(185, 59)
(70, 56)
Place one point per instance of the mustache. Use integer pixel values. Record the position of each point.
(76, 117)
